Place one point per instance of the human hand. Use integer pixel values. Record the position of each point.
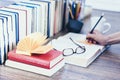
(97, 38)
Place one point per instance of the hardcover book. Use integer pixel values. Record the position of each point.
(45, 64)
(34, 56)
(22, 21)
(35, 69)
(9, 29)
(28, 13)
(48, 60)
(15, 25)
(2, 46)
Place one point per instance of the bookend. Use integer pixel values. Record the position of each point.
(74, 26)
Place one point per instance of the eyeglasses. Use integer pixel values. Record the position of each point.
(71, 51)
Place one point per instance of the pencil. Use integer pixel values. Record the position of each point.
(97, 23)
(70, 11)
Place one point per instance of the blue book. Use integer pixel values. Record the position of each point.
(37, 17)
(33, 7)
(51, 15)
(5, 32)
(22, 19)
(25, 13)
(2, 41)
(15, 26)
(41, 20)
(10, 32)
(48, 16)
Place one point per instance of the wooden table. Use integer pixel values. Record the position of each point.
(105, 67)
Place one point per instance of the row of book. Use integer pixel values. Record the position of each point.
(21, 18)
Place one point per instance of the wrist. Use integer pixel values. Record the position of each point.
(107, 38)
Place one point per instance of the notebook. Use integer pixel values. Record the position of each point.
(90, 53)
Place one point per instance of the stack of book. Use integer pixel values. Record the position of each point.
(34, 56)
(45, 64)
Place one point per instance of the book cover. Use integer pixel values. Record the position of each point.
(34, 14)
(15, 25)
(2, 41)
(28, 11)
(39, 15)
(5, 33)
(48, 16)
(22, 21)
(35, 69)
(51, 12)
(48, 60)
(83, 59)
(9, 24)
(41, 11)
(45, 15)
(58, 16)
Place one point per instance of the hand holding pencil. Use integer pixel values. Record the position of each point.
(91, 40)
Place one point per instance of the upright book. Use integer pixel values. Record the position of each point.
(2, 41)
(14, 26)
(28, 12)
(34, 13)
(87, 52)
(9, 25)
(5, 33)
(41, 15)
(22, 21)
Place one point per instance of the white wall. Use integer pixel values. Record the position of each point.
(112, 5)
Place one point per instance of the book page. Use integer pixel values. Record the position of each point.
(33, 44)
(81, 38)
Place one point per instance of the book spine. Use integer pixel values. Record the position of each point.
(27, 60)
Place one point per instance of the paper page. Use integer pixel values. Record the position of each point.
(64, 43)
(33, 44)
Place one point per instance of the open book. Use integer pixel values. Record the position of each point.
(33, 44)
(92, 51)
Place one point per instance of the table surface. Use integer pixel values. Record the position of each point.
(105, 67)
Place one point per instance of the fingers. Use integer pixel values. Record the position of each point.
(94, 34)
(91, 38)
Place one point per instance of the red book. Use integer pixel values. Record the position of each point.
(48, 60)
